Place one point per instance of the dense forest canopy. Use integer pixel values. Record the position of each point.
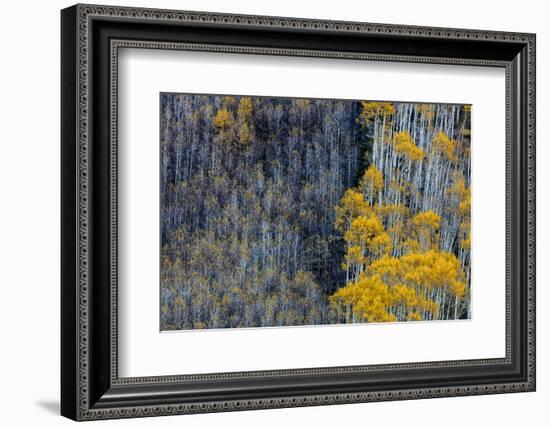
(283, 211)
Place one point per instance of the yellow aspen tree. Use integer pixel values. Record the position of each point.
(244, 114)
(371, 182)
(223, 119)
(223, 123)
(404, 145)
(351, 205)
(426, 225)
(370, 110)
(368, 233)
(445, 146)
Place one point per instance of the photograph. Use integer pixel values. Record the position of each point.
(278, 211)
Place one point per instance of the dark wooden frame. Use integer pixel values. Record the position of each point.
(90, 386)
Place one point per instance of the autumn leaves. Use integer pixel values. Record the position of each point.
(235, 129)
(398, 261)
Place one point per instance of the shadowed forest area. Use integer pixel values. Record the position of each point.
(283, 211)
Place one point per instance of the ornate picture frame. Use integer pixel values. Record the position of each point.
(91, 37)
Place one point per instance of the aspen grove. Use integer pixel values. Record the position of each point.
(287, 211)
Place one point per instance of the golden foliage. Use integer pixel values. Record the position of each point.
(223, 119)
(444, 145)
(384, 287)
(462, 195)
(428, 219)
(404, 145)
(368, 232)
(426, 224)
(244, 114)
(351, 206)
(244, 111)
(369, 298)
(431, 269)
(394, 288)
(372, 180)
(239, 129)
(371, 110)
(354, 256)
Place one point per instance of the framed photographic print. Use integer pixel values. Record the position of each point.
(263, 212)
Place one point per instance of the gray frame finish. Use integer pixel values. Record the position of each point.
(91, 388)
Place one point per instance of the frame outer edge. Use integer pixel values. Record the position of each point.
(69, 261)
(531, 201)
(83, 195)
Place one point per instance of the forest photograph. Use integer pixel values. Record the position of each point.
(300, 212)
